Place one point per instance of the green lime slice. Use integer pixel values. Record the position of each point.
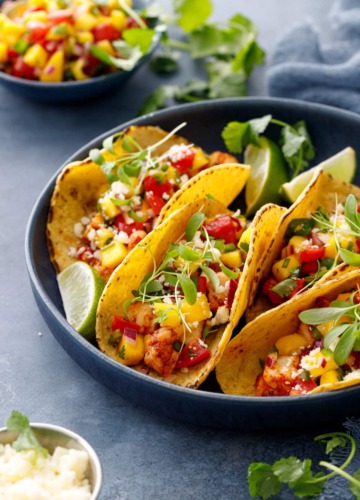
(268, 173)
(342, 166)
(80, 289)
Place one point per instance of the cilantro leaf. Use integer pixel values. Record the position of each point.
(262, 481)
(289, 470)
(158, 98)
(192, 13)
(237, 135)
(355, 485)
(335, 442)
(285, 287)
(139, 37)
(26, 440)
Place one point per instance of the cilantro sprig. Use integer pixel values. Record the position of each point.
(294, 140)
(266, 480)
(18, 422)
(228, 52)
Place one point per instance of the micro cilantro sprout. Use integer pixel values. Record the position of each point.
(18, 422)
(229, 52)
(294, 140)
(266, 480)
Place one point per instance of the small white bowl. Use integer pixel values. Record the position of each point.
(50, 436)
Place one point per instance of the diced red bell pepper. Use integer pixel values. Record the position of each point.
(302, 386)
(222, 227)
(36, 31)
(300, 283)
(267, 290)
(309, 268)
(22, 70)
(120, 323)
(152, 185)
(192, 354)
(183, 160)
(60, 16)
(156, 202)
(312, 254)
(232, 290)
(106, 31)
(202, 282)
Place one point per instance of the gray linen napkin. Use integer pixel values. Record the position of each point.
(304, 67)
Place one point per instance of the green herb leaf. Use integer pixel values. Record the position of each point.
(189, 288)
(285, 287)
(158, 98)
(26, 440)
(233, 275)
(235, 136)
(139, 37)
(299, 227)
(189, 254)
(345, 345)
(355, 485)
(262, 481)
(289, 470)
(335, 442)
(96, 156)
(334, 333)
(194, 223)
(126, 63)
(192, 13)
(351, 258)
(211, 274)
(320, 315)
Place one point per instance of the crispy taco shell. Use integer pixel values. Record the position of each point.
(140, 261)
(82, 183)
(324, 191)
(240, 364)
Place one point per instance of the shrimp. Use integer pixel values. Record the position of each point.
(217, 298)
(219, 157)
(160, 353)
(278, 378)
(142, 314)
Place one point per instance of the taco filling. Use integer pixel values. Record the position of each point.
(185, 299)
(314, 245)
(140, 185)
(323, 350)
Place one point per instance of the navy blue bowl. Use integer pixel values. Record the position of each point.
(332, 130)
(75, 90)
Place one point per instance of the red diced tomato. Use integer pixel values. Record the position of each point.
(309, 268)
(222, 227)
(36, 31)
(22, 70)
(12, 54)
(106, 31)
(302, 386)
(151, 185)
(183, 159)
(311, 254)
(322, 302)
(192, 354)
(120, 323)
(156, 202)
(232, 290)
(60, 16)
(202, 282)
(267, 290)
(300, 283)
(121, 225)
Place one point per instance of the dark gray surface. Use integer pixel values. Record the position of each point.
(144, 456)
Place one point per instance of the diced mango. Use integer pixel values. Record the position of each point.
(106, 45)
(108, 208)
(282, 269)
(232, 259)
(60, 31)
(86, 22)
(113, 254)
(297, 242)
(330, 377)
(290, 344)
(172, 174)
(118, 19)
(344, 297)
(245, 237)
(169, 314)
(36, 56)
(38, 15)
(331, 250)
(318, 363)
(198, 311)
(200, 160)
(131, 353)
(85, 37)
(324, 328)
(103, 236)
(3, 52)
(77, 70)
(54, 69)
(12, 29)
(36, 3)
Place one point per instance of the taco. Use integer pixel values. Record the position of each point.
(104, 205)
(306, 345)
(170, 308)
(316, 234)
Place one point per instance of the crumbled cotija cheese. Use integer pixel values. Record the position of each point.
(28, 475)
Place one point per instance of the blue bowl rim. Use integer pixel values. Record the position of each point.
(163, 386)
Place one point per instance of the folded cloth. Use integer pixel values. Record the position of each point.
(305, 68)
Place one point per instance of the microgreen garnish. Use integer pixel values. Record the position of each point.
(346, 334)
(26, 440)
(266, 481)
(294, 140)
(229, 54)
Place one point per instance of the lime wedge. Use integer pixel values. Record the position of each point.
(80, 289)
(342, 166)
(268, 173)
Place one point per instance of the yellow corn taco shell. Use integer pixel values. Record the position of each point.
(140, 261)
(81, 184)
(240, 365)
(324, 191)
